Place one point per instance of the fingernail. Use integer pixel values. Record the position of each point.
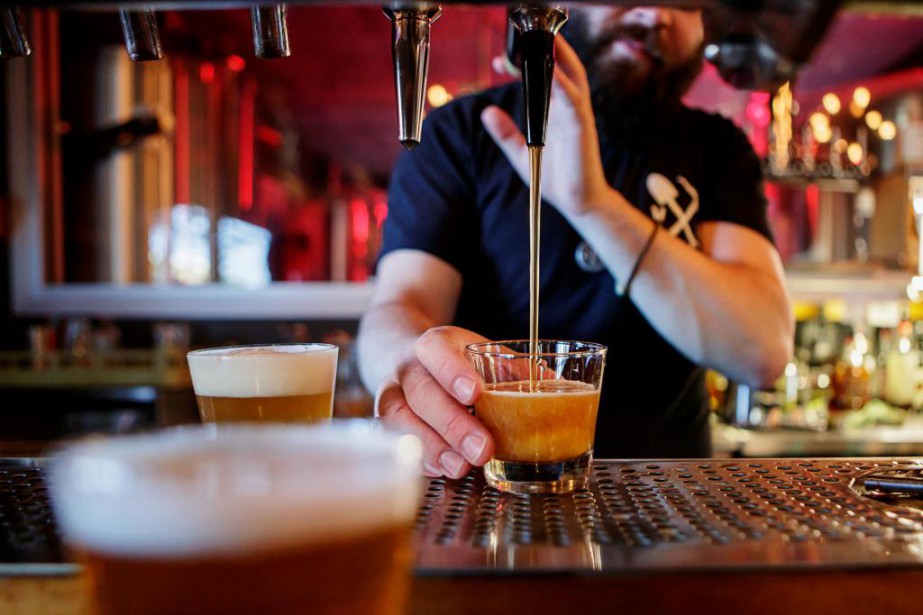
(451, 462)
(431, 469)
(473, 445)
(464, 388)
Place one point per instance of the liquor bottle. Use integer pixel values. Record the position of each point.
(901, 371)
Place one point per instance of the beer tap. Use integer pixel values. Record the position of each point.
(410, 28)
(270, 32)
(13, 42)
(537, 26)
(142, 38)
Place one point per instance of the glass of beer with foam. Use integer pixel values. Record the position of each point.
(539, 404)
(241, 518)
(283, 383)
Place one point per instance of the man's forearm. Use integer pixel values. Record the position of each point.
(733, 316)
(386, 339)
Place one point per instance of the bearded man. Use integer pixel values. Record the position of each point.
(654, 242)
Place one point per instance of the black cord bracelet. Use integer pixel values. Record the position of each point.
(641, 255)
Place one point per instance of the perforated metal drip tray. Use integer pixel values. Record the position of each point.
(29, 539)
(635, 516)
(675, 515)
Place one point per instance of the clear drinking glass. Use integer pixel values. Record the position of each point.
(273, 382)
(241, 518)
(540, 407)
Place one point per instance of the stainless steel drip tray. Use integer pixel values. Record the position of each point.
(691, 515)
(635, 516)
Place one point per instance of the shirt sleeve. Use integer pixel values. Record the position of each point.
(734, 191)
(430, 197)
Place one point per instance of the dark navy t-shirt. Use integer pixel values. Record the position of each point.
(456, 197)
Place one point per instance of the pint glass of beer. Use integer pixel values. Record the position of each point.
(244, 518)
(283, 383)
(540, 407)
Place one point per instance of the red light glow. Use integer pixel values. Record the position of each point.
(207, 72)
(236, 63)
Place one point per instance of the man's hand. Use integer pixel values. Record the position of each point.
(430, 399)
(572, 178)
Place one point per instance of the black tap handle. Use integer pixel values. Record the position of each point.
(537, 73)
(537, 27)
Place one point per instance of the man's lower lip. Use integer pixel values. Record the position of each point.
(631, 48)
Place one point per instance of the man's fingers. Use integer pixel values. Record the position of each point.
(567, 61)
(506, 134)
(439, 459)
(440, 387)
(441, 351)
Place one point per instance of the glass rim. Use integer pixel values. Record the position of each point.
(137, 447)
(586, 349)
(218, 350)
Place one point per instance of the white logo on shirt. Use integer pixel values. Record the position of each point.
(666, 197)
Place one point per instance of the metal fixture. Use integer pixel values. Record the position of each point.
(142, 38)
(410, 28)
(270, 32)
(13, 42)
(537, 26)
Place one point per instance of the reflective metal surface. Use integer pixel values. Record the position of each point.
(29, 540)
(410, 43)
(142, 38)
(651, 516)
(674, 515)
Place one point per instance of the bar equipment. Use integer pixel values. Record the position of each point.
(142, 38)
(753, 45)
(270, 32)
(13, 42)
(537, 26)
(688, 516)
(410, 32)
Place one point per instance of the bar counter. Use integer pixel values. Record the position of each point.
(748, 536)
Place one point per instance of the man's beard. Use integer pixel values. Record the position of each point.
(627, 99)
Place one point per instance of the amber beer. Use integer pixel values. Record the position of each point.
(540, 408)
(554, 422)
(242, 519)
(278, 383)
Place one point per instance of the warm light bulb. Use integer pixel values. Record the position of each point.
(840, 146)
(887, 131)
(873, 120)
(831, 103)
(437, 95)
(819, 120)
(862, 97)
(855, 153)
(823, 134)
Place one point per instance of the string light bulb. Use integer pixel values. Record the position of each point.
(887, 131)
(437, 95)
(855, 153)
(862, 97)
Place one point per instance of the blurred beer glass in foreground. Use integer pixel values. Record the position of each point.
(282, 383)
(266, 519)
(541, 410)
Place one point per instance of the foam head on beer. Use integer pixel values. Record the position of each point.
(237, 501)
(194, 490)
(282, 382)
